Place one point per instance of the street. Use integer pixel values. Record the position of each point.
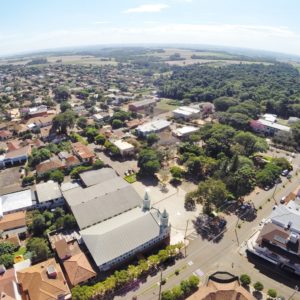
(205, 258)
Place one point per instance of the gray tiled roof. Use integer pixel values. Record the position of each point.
(97, 176)
(103, 207)
(121, 234)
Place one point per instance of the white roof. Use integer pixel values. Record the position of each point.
(270, 117)
(186, 110)
(66, 186)
(122, 145)
(274, 125)
(22, 265)
(98, 116)
(185, 130)
(47, 191)
(15, 201)
(153, 126)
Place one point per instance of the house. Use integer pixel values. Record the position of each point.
(37, 111)
(83, 152)
(132, 232)
(152, 127)
(126, 149)
(47, 166)
(8, 284)
(39, 122)
(142, 104)
(13, 223)
(221, 286)
(17, 201)
(43, 281)
(78, 268)
(186, 112)
(184, 131)
(49, 195)
(18, 156)
(5, 135)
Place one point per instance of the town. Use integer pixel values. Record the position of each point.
(149, 173)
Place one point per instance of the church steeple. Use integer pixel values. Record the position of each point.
(164, 219)
(146, 202)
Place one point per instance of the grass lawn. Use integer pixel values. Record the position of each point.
(167, 104)
(21, 251)
(130, 178)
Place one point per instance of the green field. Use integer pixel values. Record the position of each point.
(167, 104)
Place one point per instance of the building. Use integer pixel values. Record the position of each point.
(47, 166)
(186, 112)
(221, 286)
(132, 232)
(49, 194)
(142, 104)
(152, 127)
(43, 281)
(5, 135)
(184, 131)
(94, 177)
(267, 127)
(126, 149)
(278, 241)
(83, 152)
(17, 201)
(15, 157)
(13, 223)
(8, 284)
(78, 268)
(39, 122)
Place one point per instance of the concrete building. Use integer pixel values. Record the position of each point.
(152, 127)
(15, 157)
(186, 112)
(131, 233)
(142, 104)
(184, 131)
(126, 149)
(49, 195)
(267, 127)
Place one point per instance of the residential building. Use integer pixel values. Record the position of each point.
(14, 157)
(125, 148)
(49, 195)
(152, 127)
(43, 281)
(5, 135)
(132, 232)
(142, 104)
(17, 201)
(186, 112)
(8, 284)
(221, 286)
(48, 165)
(13, 223)
(184, 131)
(40, 122)
(83, 152)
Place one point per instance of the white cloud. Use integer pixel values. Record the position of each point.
(101, 22)
(147, 8)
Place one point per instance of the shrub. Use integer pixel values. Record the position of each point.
(245, 279)
(272, 293)
(258, 286)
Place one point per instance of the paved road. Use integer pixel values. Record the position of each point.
(206, 257)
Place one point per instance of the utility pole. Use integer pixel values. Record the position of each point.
(160, 284)
(186, 228)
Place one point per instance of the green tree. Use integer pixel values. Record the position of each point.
(167, 295)
(63, 121)
(38, 225)
(177, 292)
(272, 293)
(258, 286)
(58, 212)
(148, 162)
(152, 138)
(6, 248)
(61, 93)
(193, 281)
(245, 279)
(82, 122)
(69, 222)
(39, 249)
(7, 260)
(100, 139)
(116, 123)
(177, 172)
(57, 176)
(65, 106)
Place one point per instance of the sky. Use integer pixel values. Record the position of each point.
(272, 25)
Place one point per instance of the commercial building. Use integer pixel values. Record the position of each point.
(152, 127)
(186, 112)
(142, 104)
(97, 176)
(268, 126)
(49, 194)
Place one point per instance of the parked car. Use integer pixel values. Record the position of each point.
(282, 200)
(285, 172)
